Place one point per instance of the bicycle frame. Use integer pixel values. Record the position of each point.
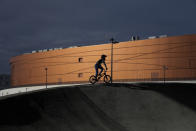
(102, 74)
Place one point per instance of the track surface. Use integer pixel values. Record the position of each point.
(102, 109)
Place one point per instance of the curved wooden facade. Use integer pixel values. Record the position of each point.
(173, 58)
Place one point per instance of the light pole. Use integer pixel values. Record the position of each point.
(164, 70)
(112, 43)
(46, 69)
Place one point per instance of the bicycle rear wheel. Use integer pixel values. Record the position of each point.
(92, 79)
(107, 78)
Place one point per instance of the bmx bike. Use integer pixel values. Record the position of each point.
(106, 78)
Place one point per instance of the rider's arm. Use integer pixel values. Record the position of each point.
(105, 65)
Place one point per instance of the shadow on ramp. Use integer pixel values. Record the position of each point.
(18, 111)
(60, 109)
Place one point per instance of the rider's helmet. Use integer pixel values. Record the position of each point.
(103, 56)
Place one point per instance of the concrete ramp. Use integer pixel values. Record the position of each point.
(101, 108)
(149, 107)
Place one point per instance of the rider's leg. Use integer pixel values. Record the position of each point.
(96, 70)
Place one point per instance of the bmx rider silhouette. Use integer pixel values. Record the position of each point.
(99, 66)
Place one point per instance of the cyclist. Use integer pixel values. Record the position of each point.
(98, 65)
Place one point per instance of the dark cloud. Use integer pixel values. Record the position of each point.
(27, 25)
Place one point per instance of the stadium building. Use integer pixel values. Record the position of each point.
(153, 59)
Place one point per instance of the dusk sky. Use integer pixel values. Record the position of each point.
(27, 25)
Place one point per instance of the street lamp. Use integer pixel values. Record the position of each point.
(164, 71)
(46, 69)
(112, 43)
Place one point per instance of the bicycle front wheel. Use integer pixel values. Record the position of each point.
(107, 79)
(92, 79)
